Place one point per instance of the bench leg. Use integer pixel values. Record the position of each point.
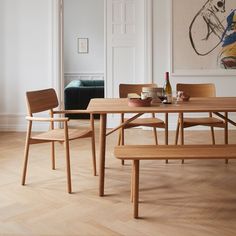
(136, 187)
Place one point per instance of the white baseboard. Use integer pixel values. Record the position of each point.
(12, 122)
(17, 123)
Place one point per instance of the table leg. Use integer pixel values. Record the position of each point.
(226, 128)
(102, 138)
(226, 134)
(166, 131)
(136, 188)
(181, 117)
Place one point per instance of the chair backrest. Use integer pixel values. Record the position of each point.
(197, 90)
(41, 100)
(125, 89)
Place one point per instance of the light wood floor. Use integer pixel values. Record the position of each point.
(197, 198)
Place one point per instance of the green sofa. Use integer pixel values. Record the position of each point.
(78, 93)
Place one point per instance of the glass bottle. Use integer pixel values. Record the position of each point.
(167, 88)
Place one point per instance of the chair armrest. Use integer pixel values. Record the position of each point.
(42, 119)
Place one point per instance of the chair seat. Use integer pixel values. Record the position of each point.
(150, 122)
(205, 121)
(59, 134)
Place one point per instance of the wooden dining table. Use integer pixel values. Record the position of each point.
(220, 106)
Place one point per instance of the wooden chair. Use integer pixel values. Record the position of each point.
(201, 90)
(46, 100)
(154, 122)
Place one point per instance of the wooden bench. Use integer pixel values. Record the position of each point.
(164, 152)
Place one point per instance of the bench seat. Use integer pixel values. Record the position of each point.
(164, 152)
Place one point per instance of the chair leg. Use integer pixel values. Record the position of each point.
(67, 150)
(122, 135)
(155, 135)
(68, 171)
(177, 134)
(213, 136)
(120, 130)
(26, 155)
(26, 152)
(94, 156)
(122, 142)
(119, 138)
(136, 188)
(53, 155)
(212, 131)
(119, 143)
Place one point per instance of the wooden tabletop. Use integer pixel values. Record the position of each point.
(120, 105)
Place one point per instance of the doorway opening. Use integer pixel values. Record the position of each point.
(81, 51)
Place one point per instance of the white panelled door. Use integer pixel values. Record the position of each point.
(126, 44)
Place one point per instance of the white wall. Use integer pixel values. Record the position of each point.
(83, 19)
(25, 59)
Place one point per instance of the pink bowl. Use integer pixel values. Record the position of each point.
(137, 102)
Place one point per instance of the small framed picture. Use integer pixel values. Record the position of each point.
(82, 45)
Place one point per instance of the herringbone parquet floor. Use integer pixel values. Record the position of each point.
(194, 199)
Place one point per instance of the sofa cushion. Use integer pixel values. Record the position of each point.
(78, 94)
(89, 83)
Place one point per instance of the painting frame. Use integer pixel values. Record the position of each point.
(186, 69)
(83, 45)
